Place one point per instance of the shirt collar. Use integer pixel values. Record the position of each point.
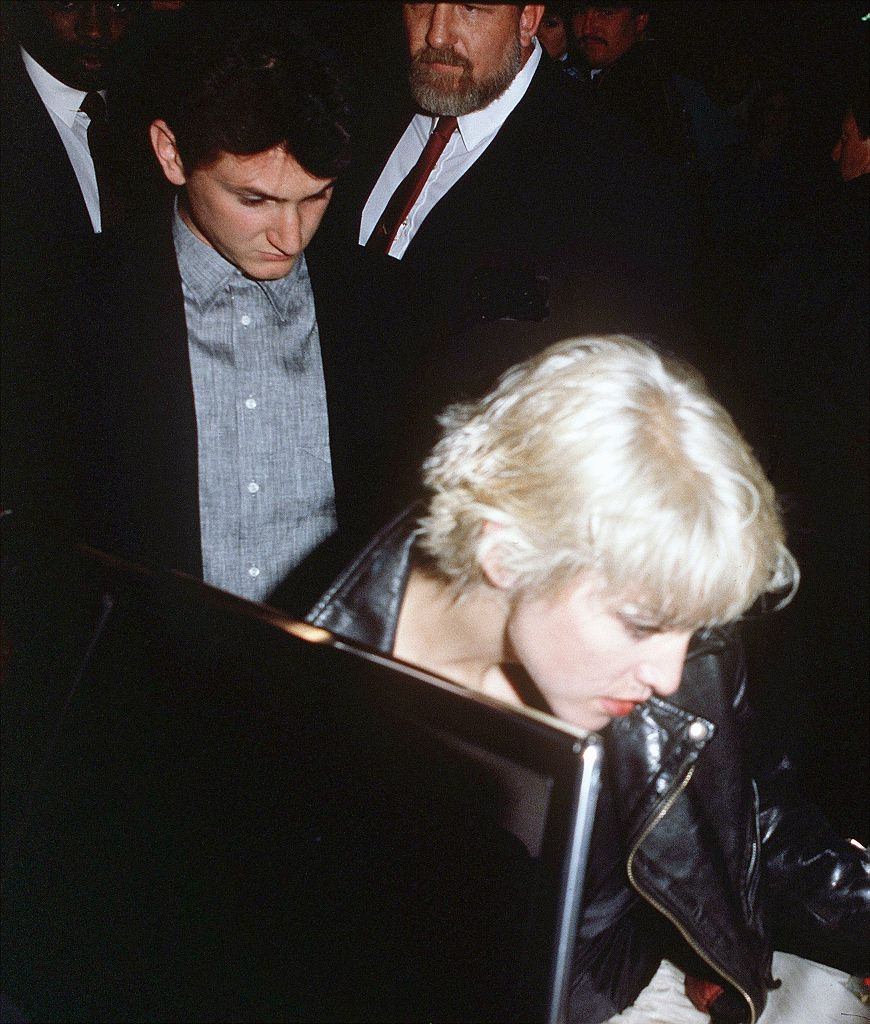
(205, 273)
(480, 125)
(62, 100)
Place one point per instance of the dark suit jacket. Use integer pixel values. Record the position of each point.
(47, 243)
(563, 224)
(42, 205)
(44, 215)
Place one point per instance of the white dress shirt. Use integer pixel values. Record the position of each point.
(63, 102)
(476, 132)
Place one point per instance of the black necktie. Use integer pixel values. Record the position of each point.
(101, 143)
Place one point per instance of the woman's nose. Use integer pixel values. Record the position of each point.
(662, 669)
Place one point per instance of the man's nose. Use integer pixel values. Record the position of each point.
(94, 21)
(583, 23)
(439, 32)
(662, 670)
(285, 231)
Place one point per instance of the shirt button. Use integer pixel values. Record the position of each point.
(250, 403)
(253, 487)
(254, 571)
(246, 320)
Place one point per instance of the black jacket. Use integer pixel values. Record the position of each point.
(639, 89)
(563, 226)
(729, 857)
(43, 208)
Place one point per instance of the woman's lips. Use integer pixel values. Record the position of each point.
(618, 708)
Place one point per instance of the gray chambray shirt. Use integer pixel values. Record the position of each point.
(266, 495)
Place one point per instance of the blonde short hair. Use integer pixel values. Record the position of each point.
(601, 455)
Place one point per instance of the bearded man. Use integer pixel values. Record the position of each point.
(501, 205)
(470, 66)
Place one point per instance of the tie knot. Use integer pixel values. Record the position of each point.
(94, 106)
(445, 127)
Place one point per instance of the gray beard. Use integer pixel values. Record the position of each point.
(467, 96)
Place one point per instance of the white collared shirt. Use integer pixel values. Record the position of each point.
(63, 102)
(476, 132)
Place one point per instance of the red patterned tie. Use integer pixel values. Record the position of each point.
(403, 199)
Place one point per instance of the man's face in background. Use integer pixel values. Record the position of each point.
(604, 32)
(553, 35)
(75, 42)
(463, 56)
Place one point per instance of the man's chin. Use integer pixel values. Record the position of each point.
(89, 71)
(86, 79)
(267, 269)
(440, 99)
(595, 56)
(439, 92)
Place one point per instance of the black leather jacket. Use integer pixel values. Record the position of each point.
(732, 858)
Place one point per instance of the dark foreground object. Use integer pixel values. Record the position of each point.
(207, 817)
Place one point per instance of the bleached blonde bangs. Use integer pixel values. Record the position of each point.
(600, 455)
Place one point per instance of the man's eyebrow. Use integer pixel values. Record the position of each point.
(325, 188)
(241, 190)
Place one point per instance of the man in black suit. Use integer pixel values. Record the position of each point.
(51, 226)
(200, 411)
(537, 217)
(58, 56)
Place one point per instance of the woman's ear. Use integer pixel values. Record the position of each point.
(492, 557)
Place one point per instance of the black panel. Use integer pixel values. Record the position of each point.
(211, 819)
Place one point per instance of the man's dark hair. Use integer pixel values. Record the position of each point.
(560, 10)
(635, 8)
(244, 87)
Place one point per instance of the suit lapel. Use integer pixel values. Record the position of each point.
(150, 421)
(36, 169)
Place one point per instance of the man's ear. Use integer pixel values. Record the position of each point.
(163, 144)
(492, 560)
(640, 23)
(530, 18)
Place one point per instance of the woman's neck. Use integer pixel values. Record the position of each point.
(462, 640)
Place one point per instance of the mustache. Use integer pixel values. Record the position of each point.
(593, 39)
(443, 55)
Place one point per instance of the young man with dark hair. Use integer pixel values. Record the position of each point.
(204, 443)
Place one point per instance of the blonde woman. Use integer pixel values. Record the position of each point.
(595, 526)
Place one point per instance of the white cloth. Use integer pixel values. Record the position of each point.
(476, 132)
(62, 103)
(810, 994)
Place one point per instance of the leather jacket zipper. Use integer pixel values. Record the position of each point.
(659, 815)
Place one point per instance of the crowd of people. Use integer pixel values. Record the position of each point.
(250, 251)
